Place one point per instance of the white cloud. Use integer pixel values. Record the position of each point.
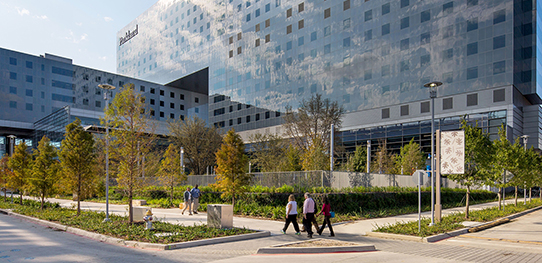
(44, 17)
(108, 19)
(22, 11)
(104, 58)
(76, 39)
(79, 24)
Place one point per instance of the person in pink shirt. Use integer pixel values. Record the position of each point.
(326, 208)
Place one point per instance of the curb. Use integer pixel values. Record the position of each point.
(439, 237)
(136, 244)
(279, 249)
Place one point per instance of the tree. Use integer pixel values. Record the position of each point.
(311, 125)
(20, 163)
(315, 158)
(292, 161)
(5, 173)
(77, 158)
(269, 150)
(170, 173)
(478, 155)
(232, 177)
(504, 160)
(131, 139)
(200, 142)
(384, 160)
(410, 158)
(44, 170)
(357, 162)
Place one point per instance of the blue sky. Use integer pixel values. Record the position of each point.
(83, 30)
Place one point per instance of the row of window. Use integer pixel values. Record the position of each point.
(447, 104)
(247, 118)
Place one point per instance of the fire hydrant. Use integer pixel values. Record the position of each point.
(148, 220)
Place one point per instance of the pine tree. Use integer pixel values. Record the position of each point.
(77, 158)
(232, 177)
(410, 158)
(357, 162)
(44, 170)
(170, 174)
(21, 165)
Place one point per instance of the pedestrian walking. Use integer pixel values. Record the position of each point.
(187, 201)
(195, 199)
(326, 209)
(308, 214)
(291, 215)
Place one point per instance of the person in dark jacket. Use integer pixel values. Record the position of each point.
(326, 209)
(187, 201)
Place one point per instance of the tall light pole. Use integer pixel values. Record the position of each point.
(433, 94)
(182, 160)
(331, 144)
(106, 88)
(11, 149)
(525, 138)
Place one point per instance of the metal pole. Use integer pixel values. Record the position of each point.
(525, 139)
(331, 144)
(368, 156)
(182, 160)
(433, 158)
(12, 148)
(419, 203)
(106, 160)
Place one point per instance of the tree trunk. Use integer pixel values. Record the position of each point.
(530, 194)
(79, 195)
(130, 212)
(20, 197)
(42, 201)
(467, 202)
(499, 194)
(171, 196)
(6, 194)
(516, 198)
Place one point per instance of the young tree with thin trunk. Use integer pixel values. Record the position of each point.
(269, 150)
(5, 173)
(131, 139)
(505, 159)
(199, 141)
(314, 158)
(21, 165)
(478, 156)
(410, 158)
(357, 162)
(170, 174)
(383, 162)
(77, 158)
(45, 171)
(232, 177)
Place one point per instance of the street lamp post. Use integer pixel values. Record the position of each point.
(182, 160)
(106, 88)
(11, 149)
(433, 94)
(525, 138)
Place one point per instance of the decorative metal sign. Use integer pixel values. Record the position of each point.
(452, 152)
(129, 35)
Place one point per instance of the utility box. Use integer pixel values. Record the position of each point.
(138, 212)
(220, 216)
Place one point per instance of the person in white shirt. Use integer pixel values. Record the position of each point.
(291, 215)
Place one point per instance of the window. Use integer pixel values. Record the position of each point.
(327, 13)
(277, 50)
(386, 113)
(472, 24)
(425, 16)
(289, 45)
(448, 8)
(346, 42)
(196, 100)
(267, 23)
(425, 107)
(267, 8)
(288, 29)
(13, 75)
(161, 103)
(257, 12)
(385, 89)
(404, 44)
(182, 96)
(499, 67)
(404, 3)
(385, 29)
(13, 104)
(472, 99)
(404, 65)
(257, 42)
(301, 7)
(448, 77)
(248, 118)
(29, 64)
(499, 16)
(238, 120)
(231, 53)
(425, 38)
(327, 49)
(346, 23)
(368, 15)
(142, 88)
(152, 101)
(239, 50)
(471, 3)
(385, 8)
(13, 61)
(313, 36)
(29, 93)
(181, 107)
(327, 31)
(152, 90)
(404, 110)
(448, 31)
(385, 70)
(346, 5)
(288, 13)
(472, 48)
(172, 105)
(498, 95)
(368, 74)
(447, 54)
(29, 79)
(301, 24)
(247, 19)
(162, 114)
(425, 60)
(368, 35)
(172, 95)
(12, 90)
(447, 103)
(231, 122)
(257, 28)
(472, 73)
(499, 42)
(162, 92)
(405, 22)
(98, 104)
(257, 116)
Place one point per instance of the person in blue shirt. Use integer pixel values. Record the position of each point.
(195, 199)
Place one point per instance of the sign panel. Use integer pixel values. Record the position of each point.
(452, 152)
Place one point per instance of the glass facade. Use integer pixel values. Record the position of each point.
(370, 56)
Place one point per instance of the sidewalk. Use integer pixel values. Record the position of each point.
(353, 228)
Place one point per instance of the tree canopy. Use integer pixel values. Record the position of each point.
(21, 165)
(170, 174)
(45, 171)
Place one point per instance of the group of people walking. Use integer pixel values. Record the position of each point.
(309, 215)
(191, 200)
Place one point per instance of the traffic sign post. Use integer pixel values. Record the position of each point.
(417, 177)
